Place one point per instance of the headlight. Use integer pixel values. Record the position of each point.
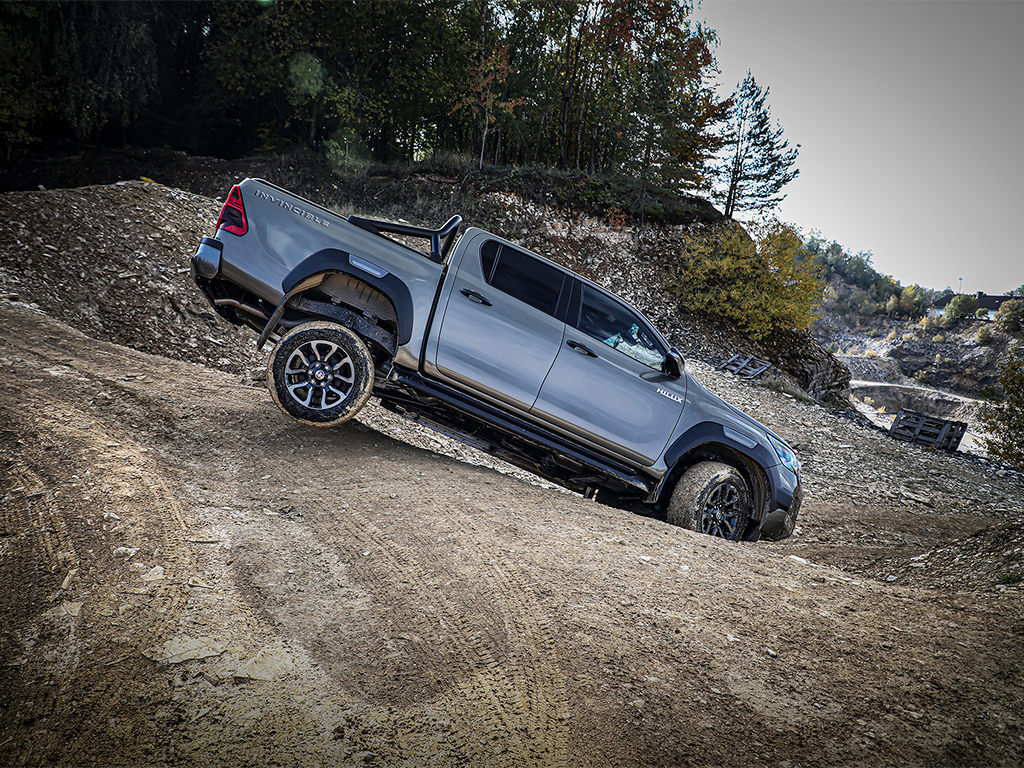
(785, 454)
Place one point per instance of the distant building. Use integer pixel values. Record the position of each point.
(989, 303)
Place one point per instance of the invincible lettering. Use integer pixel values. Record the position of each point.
(293, 208)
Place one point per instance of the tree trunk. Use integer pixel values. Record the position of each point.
(592, 165)
(579, 126)
(483, 139)
(312, 123)
(482, 27)
(540, 134)
(563, 126)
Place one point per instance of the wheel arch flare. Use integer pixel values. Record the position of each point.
(710, 441)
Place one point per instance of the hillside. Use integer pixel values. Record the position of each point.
(558, 216)
(194, 580)
(933, 355)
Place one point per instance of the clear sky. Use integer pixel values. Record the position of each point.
(910, 117)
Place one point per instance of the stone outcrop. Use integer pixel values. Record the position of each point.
(818, 372)
(933, 402)
(880, 369)
(958, 363)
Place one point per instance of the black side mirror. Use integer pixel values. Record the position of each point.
(674, 364)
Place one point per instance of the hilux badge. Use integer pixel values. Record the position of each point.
(669, 395)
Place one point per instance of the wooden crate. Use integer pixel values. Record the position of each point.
(921, 429)
(746, 366)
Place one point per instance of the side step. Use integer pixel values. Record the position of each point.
(511, 425)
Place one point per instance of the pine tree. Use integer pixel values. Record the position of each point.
(757, 161)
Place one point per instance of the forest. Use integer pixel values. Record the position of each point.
(603, 88)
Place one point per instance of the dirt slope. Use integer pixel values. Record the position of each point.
(360, 600)
(190, 579)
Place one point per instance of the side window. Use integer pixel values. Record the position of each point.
(521, 276)
(614, 324)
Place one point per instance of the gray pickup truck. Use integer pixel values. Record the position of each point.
(496, 347)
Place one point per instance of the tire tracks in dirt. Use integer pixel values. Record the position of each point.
(79, 594)
(427, 612)
(473, 657)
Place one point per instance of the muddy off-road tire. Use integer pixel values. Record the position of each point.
(711, 498)
(320, 374)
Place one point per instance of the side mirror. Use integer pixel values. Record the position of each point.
(674, 364)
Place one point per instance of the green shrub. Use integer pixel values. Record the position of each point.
(960, 307)
(984, 335)
(753, 280)
(981, 314)
(1010, 316)
(938, 338)
(1004, 418)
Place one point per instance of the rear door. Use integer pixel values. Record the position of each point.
(500, 331)
(607, 383)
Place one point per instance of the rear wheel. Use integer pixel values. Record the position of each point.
(711, 498)
(320, 374)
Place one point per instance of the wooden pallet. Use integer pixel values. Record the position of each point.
(747, 366)
(921, 429)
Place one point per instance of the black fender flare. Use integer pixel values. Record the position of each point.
(336, 260)
(712, 440)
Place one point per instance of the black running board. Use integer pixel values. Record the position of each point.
(504, 422)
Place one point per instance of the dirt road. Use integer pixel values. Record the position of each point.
(190, 579)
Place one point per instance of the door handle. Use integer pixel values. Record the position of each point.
(583, 349)
(474, 296)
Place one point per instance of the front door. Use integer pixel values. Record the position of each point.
(607, 383)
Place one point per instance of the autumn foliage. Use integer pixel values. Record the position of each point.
(755, 280)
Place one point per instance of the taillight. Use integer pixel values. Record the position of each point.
(232, 215)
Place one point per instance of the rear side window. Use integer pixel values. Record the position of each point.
(521, 276)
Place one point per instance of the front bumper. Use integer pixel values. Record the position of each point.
(780, 522)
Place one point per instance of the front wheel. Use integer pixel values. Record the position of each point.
(320, 374)
(711, 498)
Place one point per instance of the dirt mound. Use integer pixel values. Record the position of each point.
(992, 558)
(194, 580)
(112, 261)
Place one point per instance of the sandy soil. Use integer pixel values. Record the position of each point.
(190, 579)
